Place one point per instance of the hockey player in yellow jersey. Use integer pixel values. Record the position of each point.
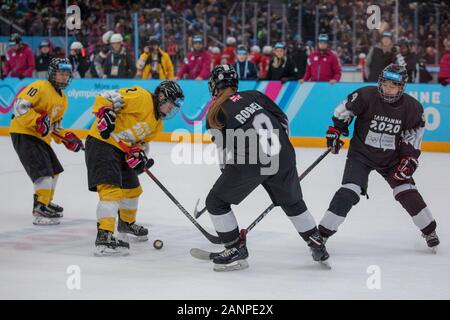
(133, 116)
(37, 114)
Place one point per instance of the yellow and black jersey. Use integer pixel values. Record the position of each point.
(136, 120)
(34, 100)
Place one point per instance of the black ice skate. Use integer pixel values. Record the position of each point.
(432, 240)
(44, 215)
(107, 245)
(232, 259)
(131, 231)
(318, 250)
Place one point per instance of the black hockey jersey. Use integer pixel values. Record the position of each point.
(383, 132)
(255, 132)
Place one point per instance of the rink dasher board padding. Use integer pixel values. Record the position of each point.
(309, 107)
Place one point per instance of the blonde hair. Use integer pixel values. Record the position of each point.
(213, 112)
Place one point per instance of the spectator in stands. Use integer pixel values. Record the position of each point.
(154, 63)
(300, 58)
(265, 61)
(281, 67)
(78, 59)
(246, 70)
(379, 57)
(197, 64)
(42, 59)
(20, 59)
(119, 63)
(407, 58)
(444, 66)
(215, 56)
(255, 57)
(430, 55)
(323, 64)
(229, 52)
(97, 64)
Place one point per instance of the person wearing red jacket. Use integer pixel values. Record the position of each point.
(265, 60)
(444, 67)
(229, 52)
(323, 64)
(197, 64)
(20, 59)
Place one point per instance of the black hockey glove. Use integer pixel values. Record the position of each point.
(333, 141)
(406, 168)
(106, 121)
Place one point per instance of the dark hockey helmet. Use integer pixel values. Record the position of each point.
(171, 92)
(398, 75)
(223, 76)
(59, 64)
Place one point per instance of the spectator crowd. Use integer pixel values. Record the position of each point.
(188, 38)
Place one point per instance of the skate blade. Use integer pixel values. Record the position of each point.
(42, 221)
(434, 249)
(104, 251)
(325, 264)
(236, 265)
(126, 237)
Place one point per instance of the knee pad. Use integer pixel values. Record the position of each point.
(343, 201)
(295, 209)
(215, 205)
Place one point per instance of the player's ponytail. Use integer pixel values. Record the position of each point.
(213, 112)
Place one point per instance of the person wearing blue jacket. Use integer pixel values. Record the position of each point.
(246, 70)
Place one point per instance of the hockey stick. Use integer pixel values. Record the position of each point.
(212, 238)
(67, 140)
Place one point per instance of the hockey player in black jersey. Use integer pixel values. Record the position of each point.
(251, 132)
(388, 131)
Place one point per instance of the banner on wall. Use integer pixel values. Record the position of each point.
(309, 106)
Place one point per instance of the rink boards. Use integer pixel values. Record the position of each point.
(309, 107)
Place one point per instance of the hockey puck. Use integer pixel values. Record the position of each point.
(157, 244)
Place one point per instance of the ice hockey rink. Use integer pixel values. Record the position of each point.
(378, 239)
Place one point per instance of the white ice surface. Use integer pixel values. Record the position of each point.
(34, 260)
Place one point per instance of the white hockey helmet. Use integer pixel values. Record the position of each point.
(215, 50)
(231, 40)
(256, 49)
(267, 50)
(76, 45)
(116, 38)
(107, 36)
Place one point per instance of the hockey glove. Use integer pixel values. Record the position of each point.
(138, 160)
(43, 125)
(72, 142)
(106, 121)
(333, 141)
(406, 168)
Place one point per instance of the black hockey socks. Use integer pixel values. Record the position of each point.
(412, 201)
(301, 218)
(344, 199)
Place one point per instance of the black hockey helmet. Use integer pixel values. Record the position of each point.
(59, 64)
(171, 92)
(398, 75)
(223, 76)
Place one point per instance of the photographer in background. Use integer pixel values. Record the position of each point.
(78, 59)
